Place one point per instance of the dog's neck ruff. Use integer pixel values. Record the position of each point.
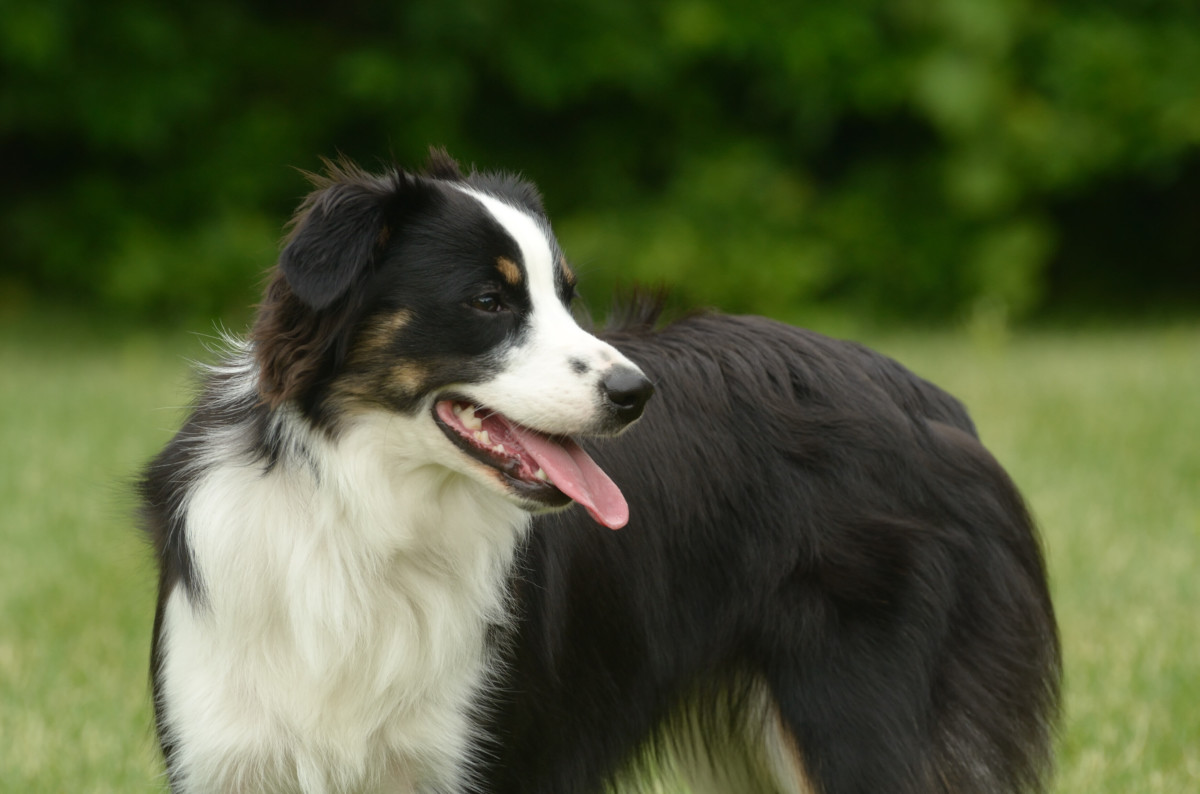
(348, 590)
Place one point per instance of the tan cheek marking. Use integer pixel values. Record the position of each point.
(509, 270)
(568, 273)
(407, 377)
(375, 339)
(372, 374)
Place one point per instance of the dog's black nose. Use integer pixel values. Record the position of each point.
(626, 389)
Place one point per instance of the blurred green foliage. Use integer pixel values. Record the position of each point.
(915, 158)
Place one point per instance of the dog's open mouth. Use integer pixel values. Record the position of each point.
(551, 470)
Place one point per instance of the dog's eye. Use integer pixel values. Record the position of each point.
(487, 303)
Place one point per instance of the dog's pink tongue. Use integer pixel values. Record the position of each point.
(574, 473)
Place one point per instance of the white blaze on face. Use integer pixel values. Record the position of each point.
(536, 384)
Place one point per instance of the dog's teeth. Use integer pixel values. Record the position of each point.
(541, 475)
(466, 415)
(498, 449)
(483, 437)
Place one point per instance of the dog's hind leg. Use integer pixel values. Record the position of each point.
(750, 752)
(784, 762)
(847, 724)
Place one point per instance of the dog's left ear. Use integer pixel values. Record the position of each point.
(336, 232)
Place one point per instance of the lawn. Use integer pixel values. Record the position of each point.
(1100, 428)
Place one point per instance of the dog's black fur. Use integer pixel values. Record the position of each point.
(809, 514)
(821, 559)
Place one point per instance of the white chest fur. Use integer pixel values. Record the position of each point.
(342, 635)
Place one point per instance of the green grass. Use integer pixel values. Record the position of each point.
(1101, 429)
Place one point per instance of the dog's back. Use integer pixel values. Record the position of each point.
(826, 584)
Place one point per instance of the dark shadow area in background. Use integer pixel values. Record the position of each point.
(1151, 226)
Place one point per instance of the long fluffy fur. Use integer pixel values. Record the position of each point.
(817, 537)
(826, 584)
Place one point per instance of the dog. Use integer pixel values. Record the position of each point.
(386, 563)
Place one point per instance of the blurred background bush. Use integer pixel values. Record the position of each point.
(908, 159)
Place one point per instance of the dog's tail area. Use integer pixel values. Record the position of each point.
(638, 308)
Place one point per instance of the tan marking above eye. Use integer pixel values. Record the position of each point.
(508, 270)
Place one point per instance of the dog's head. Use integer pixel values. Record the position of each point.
(443, 297)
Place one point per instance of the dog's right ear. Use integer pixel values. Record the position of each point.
(337, 231)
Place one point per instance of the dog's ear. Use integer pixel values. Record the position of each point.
(336, 232)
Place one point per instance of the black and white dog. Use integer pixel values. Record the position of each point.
(368, 583)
